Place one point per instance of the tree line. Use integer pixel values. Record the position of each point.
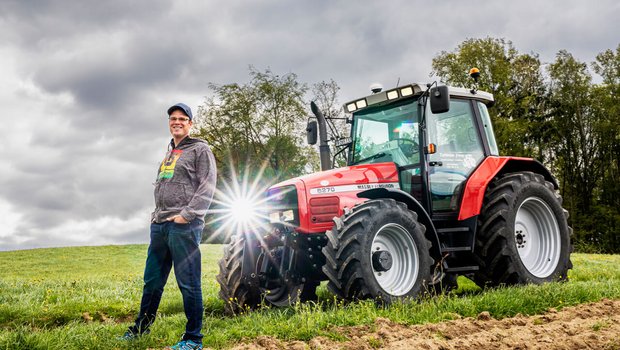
(555, 112)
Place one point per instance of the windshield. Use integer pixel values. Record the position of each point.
(387, 134)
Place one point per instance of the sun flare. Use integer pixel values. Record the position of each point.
(240, 205)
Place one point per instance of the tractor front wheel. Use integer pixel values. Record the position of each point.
(238, 295)
(377, 251)
(523, 233)
(265, 282)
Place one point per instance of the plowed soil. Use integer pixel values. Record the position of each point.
(586, 326)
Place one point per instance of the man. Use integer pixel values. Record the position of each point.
(183, 192)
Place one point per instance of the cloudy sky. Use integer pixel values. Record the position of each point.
(85, 84)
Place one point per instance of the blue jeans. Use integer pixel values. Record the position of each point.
(173, 245)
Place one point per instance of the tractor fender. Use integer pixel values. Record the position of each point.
(515, 165)
(491, 167)
(413, 205)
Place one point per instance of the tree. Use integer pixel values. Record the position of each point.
(325, 95)
(256, 125)
(515, 80)
(606, 97)
(576, 125)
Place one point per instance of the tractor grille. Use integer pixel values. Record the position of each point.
(324, 209)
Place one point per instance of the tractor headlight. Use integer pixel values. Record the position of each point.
(392, 95)
(355, 105)
(406, 91)
(351, 107)
(281, 216)
(283, 205)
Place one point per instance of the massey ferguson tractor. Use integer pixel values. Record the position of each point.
(424, 197)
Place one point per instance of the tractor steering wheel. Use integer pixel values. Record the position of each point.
(408, 146)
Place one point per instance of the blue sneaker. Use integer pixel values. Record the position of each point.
(186, 345)
(129, 335)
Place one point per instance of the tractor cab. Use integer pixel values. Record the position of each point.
(435, 152)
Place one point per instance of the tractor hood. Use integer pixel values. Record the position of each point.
(354, 178)
(326, 194)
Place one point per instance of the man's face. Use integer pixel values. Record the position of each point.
(179, 124)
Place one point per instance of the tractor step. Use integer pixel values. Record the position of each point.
(455, 249)
(455, 239)
(452, 230)
(462, 268)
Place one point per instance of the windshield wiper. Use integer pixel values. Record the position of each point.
(374, 156)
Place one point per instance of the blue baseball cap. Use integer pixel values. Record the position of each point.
(181, 107)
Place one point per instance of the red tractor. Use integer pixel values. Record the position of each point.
(425, 197)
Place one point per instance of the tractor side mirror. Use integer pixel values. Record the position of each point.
(311, 130)
(440, 99)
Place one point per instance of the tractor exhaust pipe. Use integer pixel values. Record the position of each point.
(323, 146)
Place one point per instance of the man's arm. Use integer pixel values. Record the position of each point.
(206, 173)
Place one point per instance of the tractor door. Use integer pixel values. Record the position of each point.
(390, 133)
(458, 151)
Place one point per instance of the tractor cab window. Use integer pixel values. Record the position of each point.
(488, 128)
(387, 134)
(459, 151)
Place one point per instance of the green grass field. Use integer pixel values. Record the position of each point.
(83, 298)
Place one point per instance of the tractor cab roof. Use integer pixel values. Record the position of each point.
(412, 90)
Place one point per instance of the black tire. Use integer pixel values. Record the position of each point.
(289, 294)
(237, 295)
(349, 253)
(523, 235)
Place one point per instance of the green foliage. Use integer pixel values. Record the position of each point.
(261, 124)
(607, 98)
(517, 85)
(575, 124)
(256, 125)
(84, 297)
(563, 119)
(586, 120)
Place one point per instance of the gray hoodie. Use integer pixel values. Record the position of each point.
(185, 181)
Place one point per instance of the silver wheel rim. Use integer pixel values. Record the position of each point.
(401, 277)
(537, 237)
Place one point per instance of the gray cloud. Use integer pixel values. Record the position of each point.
(88, 83)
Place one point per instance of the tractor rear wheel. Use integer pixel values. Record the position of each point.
(238, 295)
(523, 234)
(378, 251)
